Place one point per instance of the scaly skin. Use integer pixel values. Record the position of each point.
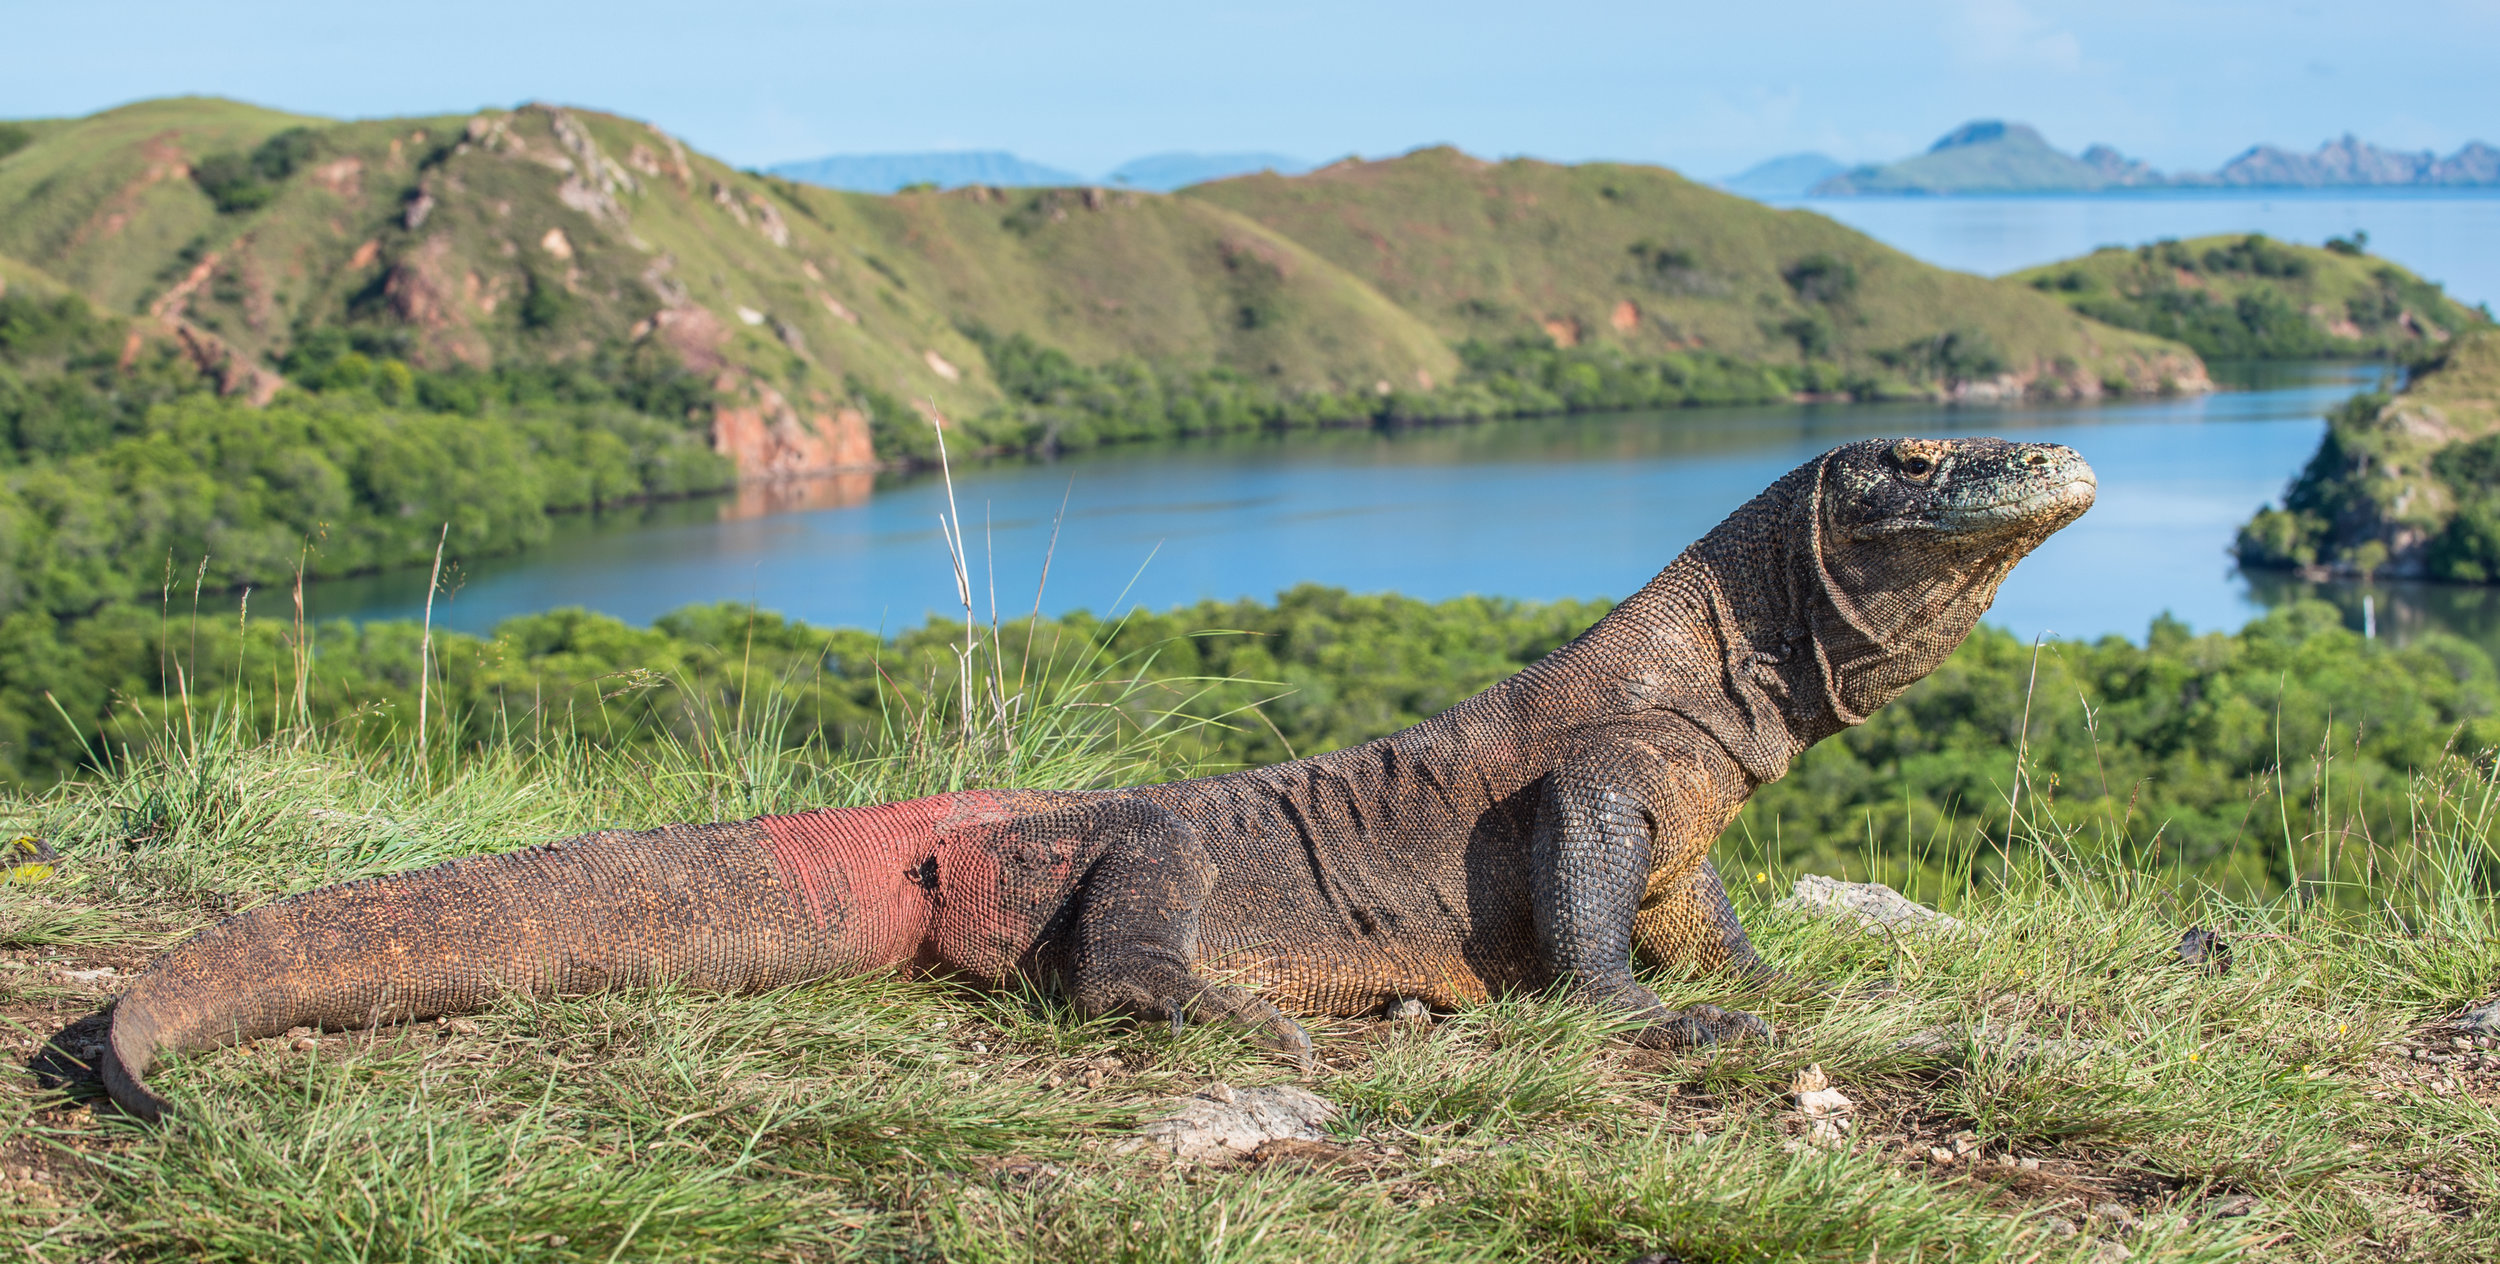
(1548, 831)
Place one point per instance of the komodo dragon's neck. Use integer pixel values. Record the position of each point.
(1739, 635)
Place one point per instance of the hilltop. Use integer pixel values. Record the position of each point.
(1988, 156)
(1645, 261)
(1166, 172)
(2245, 296)
(2402, 486)
(830, 325)
(1995, 156)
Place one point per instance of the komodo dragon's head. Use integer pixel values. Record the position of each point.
(1908, 540)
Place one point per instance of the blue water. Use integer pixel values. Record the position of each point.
(1566, 507)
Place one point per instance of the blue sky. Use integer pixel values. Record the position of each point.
(1708, 88)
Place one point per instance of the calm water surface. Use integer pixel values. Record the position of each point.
(1565, 507)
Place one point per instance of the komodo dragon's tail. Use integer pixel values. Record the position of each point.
(704, 906)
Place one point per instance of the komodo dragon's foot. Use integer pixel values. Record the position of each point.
(1700, 1027)
(1183, 1000)
(1265, 1025)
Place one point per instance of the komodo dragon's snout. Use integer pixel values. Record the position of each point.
(1552, 831)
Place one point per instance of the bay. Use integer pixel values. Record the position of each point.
(1537, 509)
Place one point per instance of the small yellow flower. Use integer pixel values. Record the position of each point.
(2192, 1055)
(2339, 1029)
(1760, 876)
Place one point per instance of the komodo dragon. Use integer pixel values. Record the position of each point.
(1540, 833)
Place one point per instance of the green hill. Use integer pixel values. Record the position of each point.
(2403, 486)
(267, 245)
(2249, 297)
(1982, 157)
(1643, 260)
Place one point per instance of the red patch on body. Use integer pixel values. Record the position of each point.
(867, 874)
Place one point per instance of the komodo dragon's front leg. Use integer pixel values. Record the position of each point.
(1623, 815)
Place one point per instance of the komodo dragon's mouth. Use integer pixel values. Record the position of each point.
(2039, 504)
(2056, 503)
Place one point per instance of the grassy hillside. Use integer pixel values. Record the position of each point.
(2402, 486)
(536, 235)
(1642, 260)
(1101, 274)
(546, 235)
(2053, 1084)
(2248, 297)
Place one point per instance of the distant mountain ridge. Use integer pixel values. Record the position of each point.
(1166, 172)
(1788, 175)
(1996, 156)
(997, 168)
(2351, 161)
(893, 173)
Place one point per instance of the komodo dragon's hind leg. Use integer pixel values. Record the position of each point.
(1135, 941)
(1614, 813)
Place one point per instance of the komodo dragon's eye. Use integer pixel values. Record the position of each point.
(1918, 460)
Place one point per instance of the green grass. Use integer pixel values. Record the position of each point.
(2245, 297)
(2080, 1079)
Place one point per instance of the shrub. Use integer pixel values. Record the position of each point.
(1822, 278)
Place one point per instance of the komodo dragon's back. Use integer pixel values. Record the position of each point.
(1548, 831)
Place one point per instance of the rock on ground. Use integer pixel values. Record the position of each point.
(1872, 905)
(2483, 1019)
(1222, 1122)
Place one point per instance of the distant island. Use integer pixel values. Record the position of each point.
(1994, 156)
(956, 169)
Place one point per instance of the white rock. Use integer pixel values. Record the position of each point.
(1203, 1127)
(1825, 1108)
(1872, 905)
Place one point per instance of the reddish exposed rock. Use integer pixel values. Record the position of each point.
(770, 440)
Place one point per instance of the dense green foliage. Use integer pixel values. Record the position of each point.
(247, 182)
(126, 470)
(1057, 404)
(2226, 756)
(65, 387)
(2300, 532)
(2253, 298)
(2410, 482)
